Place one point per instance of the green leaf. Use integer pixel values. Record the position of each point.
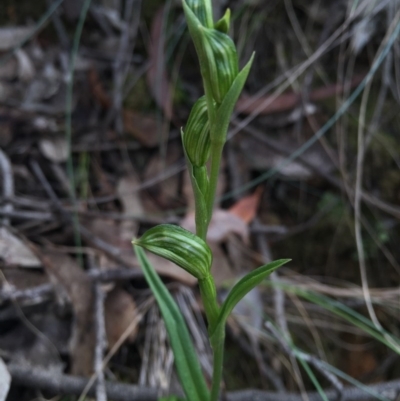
(196, 135)
(223, 24)
(195, 26)
(224, 112)
(220, 63)
(186, 360)
(245, 285)
(180, 246)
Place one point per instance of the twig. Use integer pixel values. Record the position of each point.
(120, 274)
(25, 215)
(372, 200)
(59, 28)
(101, 336)
(311, 359)
(388, 390)
(39, 292)
(8, 184)
(101, 394)
(44, 291)
(29, 202)
(121, 65)
(72, 385)
(135, 321)
(38, 26)
(109, 250)
(357, 206)
(168, 172)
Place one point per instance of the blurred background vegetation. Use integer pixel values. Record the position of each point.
(92, 98)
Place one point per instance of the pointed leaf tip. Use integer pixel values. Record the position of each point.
(241, 288)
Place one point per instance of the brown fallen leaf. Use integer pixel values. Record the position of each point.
(261, 155)
(131, 204)
(9, 69)
(110, 232)
(359, 359)
(142, 127)
(79, 289)
(223, 223)
(164, 194)
(22, 279)
(14, 252)
(271, 104)
(246, 208)
(97, 88)
(120, 310)
(168, 269)
(221, 268)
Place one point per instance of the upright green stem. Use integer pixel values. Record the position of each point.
(216, 155)
(208, 293)
(221, 56)
(218, 353)
(201, 231)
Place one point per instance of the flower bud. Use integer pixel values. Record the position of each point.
(180, 246)
(200, 9)
(196, 135)
(221, 62)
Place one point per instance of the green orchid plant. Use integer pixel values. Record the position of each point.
(203, 140)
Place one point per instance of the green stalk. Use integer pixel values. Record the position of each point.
(209, 11)
(218, 353)
(208, 293)
(201, 230)
(216, 155)
(210, 103)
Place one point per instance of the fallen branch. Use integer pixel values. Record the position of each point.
(73, 385)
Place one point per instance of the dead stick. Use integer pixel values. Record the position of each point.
(109, 250)
(101, 393)
(72, 385)
(8, 184)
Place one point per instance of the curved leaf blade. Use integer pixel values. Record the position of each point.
(241, 288)
(186, 360)
(180, 246)
(196, 135)
(225, 110)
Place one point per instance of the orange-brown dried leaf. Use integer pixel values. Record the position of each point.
(97, 88)
(120, 310)
(78, 286)
(142, 127)
(246, 208)
(271, 104)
